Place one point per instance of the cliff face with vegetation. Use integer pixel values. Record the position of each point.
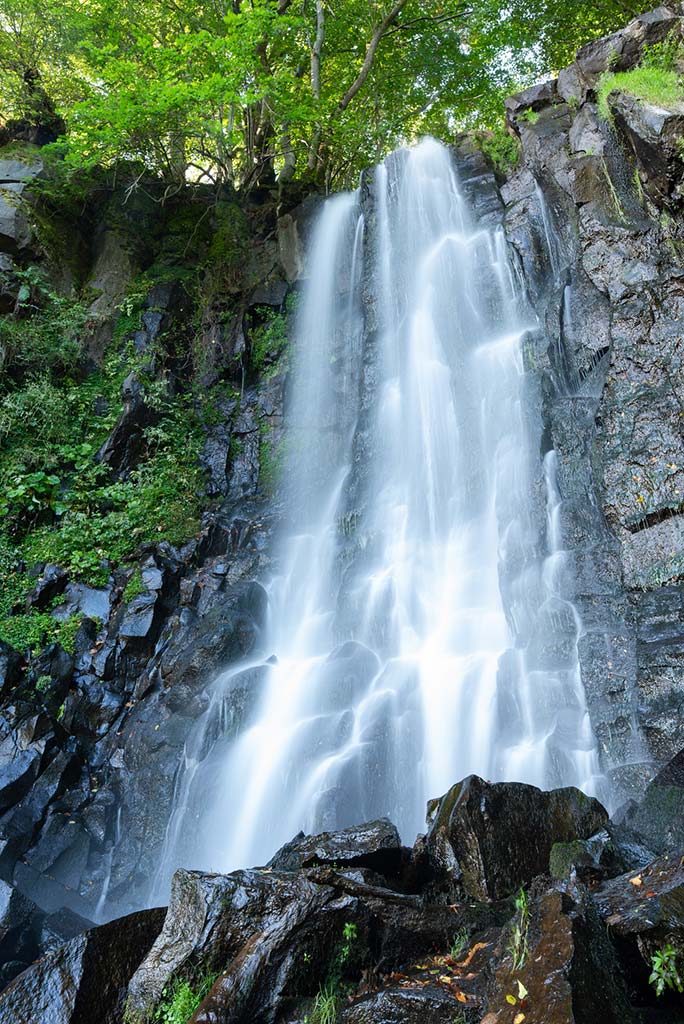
(144, 356)
(144, 349)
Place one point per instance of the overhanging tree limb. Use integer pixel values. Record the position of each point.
(370, 55)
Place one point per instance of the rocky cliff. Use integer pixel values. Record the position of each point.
(181, 316)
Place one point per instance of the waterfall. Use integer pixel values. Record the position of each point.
(420, 625)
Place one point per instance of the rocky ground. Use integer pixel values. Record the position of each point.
(516, 905)
(94, 711)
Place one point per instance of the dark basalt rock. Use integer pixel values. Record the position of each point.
(125, 445)
(375, 845)
(646, 902)
(53, 579)
(570, 975)
(84, 981)
(657, 821)
(253, 926)
(495, 837)
(428, 1005)
(274, 935)
(654, 135)
(11, 665)
(591, 860)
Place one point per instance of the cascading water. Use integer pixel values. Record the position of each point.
(418, 629)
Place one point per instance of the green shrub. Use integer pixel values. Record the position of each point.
(665, 971)
(45, 331)
(502, 148)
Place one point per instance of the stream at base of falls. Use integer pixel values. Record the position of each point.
(419, 625)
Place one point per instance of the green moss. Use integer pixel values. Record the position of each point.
(271, 460)
(269, 339)
(564, 856)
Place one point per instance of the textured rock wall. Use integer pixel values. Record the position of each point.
(594, 214)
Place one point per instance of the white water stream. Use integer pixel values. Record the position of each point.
(418, 627)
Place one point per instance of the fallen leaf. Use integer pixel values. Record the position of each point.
(522, 991)
(636, 880)
(461, 996)
(519, 1018)
(511, 999)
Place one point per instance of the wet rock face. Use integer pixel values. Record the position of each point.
(15, 176)
(429, 1005)
(657, 821)
(83, 981)
(593, 215)
(375, 845)
(570, 974)
(494, 838)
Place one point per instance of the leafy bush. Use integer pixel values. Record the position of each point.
(502, 148)
(58, 504)
(44, 332)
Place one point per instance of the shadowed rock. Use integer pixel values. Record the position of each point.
(83, 981)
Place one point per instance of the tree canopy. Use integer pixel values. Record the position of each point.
(242, 90)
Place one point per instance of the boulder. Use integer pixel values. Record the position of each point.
(622, 50)
(375, 845)
(591, 860)
(648, 902)
(15, 176)
(83, 981)
(274, 936)
(268, 933)
(657, 821)
(397, 1005)
(654, 135)
(496, 837)
(534, 98)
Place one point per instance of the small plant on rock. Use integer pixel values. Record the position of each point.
(458, 943)
(327, 1002)
(180, 999)
(665, 971)
(518, 947)
(325, 1006)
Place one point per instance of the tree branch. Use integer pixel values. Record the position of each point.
(370, 55)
